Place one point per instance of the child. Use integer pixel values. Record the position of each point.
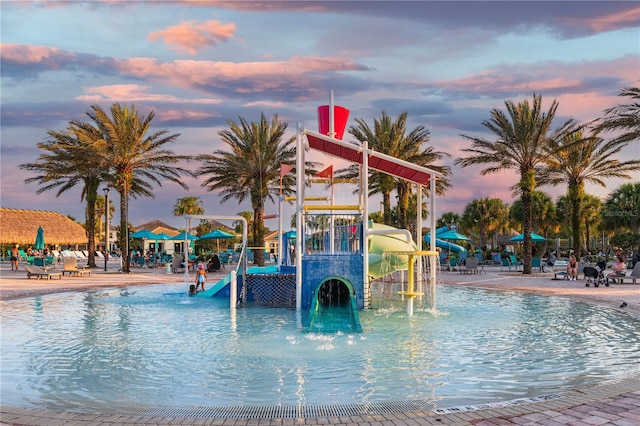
(201, 277)
(192, 290)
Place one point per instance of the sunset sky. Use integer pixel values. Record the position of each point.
(197, 64)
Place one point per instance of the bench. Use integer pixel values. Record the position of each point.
(560, 269)
(635, 275)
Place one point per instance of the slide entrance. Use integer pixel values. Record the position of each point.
(334, 308)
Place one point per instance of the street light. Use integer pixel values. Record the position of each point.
(106, 226)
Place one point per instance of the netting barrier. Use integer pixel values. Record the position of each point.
(270, 290)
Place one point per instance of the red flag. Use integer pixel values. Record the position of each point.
(326, 173)
(284, 169)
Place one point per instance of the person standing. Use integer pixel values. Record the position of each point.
(15, 255)
(201, 277)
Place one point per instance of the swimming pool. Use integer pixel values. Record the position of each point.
(155, 345)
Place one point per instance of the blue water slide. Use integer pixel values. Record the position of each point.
(217, 287)
(445, 245)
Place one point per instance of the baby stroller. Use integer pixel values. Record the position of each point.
(595, 275)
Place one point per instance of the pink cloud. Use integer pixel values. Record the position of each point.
(27, 54)
(133, 93)
(191, 37)
(611, 22)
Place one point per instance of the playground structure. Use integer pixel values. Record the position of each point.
(332, 284)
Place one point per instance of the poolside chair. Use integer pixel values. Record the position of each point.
(177, 264)
(505, 264)
(71, 267)
(537, 263)
(470, 266)
(514, 261)
(36, 271)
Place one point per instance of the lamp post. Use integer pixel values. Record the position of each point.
(106, 226)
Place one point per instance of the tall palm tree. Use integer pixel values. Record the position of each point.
(624, 117)
(136, 158)
(577, 159)
(523, 134)
(101, 209)
(389, 137)
(68, 159)
(251, 168)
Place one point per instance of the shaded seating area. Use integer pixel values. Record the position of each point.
(71, 267)
(36, 271)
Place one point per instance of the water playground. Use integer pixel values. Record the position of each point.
(326, 275)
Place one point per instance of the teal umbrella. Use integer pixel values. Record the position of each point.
(180, 237)
(535, 238)
(144, 234)
(217, 235)
(39, 245)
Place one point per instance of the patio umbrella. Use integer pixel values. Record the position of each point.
(39, 245)
(144, 234)
(217, 235)
(535, 238)
(181, 237)
(452, 236)
(163, 236)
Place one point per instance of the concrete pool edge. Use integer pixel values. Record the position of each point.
(614, 403)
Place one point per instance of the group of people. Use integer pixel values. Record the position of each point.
(618, 269)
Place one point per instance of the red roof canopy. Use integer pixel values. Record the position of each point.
(381, 162)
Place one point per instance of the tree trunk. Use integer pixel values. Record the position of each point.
(91, 195)
(124, 230)
(527, 185)
(258, 235)
(576, 190)
(386, 207)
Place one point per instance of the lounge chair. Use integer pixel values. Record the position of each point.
(505, 264)
(71, 267)
(470, 266)
(36, 271)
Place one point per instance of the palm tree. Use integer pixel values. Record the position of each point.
(188, 206)
(68, 159)
(524, 133)
(100, 213)
(576, 159)
(486, 216)
(621, 210)
(136, 158)
(251, 169)
(624, 117)
(389, 137)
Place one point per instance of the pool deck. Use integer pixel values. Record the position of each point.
(609, 403)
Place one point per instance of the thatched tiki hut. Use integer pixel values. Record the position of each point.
(21, 227)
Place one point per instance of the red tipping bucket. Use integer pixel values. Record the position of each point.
(340, 118)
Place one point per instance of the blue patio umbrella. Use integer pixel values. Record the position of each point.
(534, 238)
(452, 236)
(163, 236)
(217, 235)
(39, 245)
(144, 234)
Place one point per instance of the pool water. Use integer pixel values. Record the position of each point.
(156, 345)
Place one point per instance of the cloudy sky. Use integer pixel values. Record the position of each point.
(197, 64)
